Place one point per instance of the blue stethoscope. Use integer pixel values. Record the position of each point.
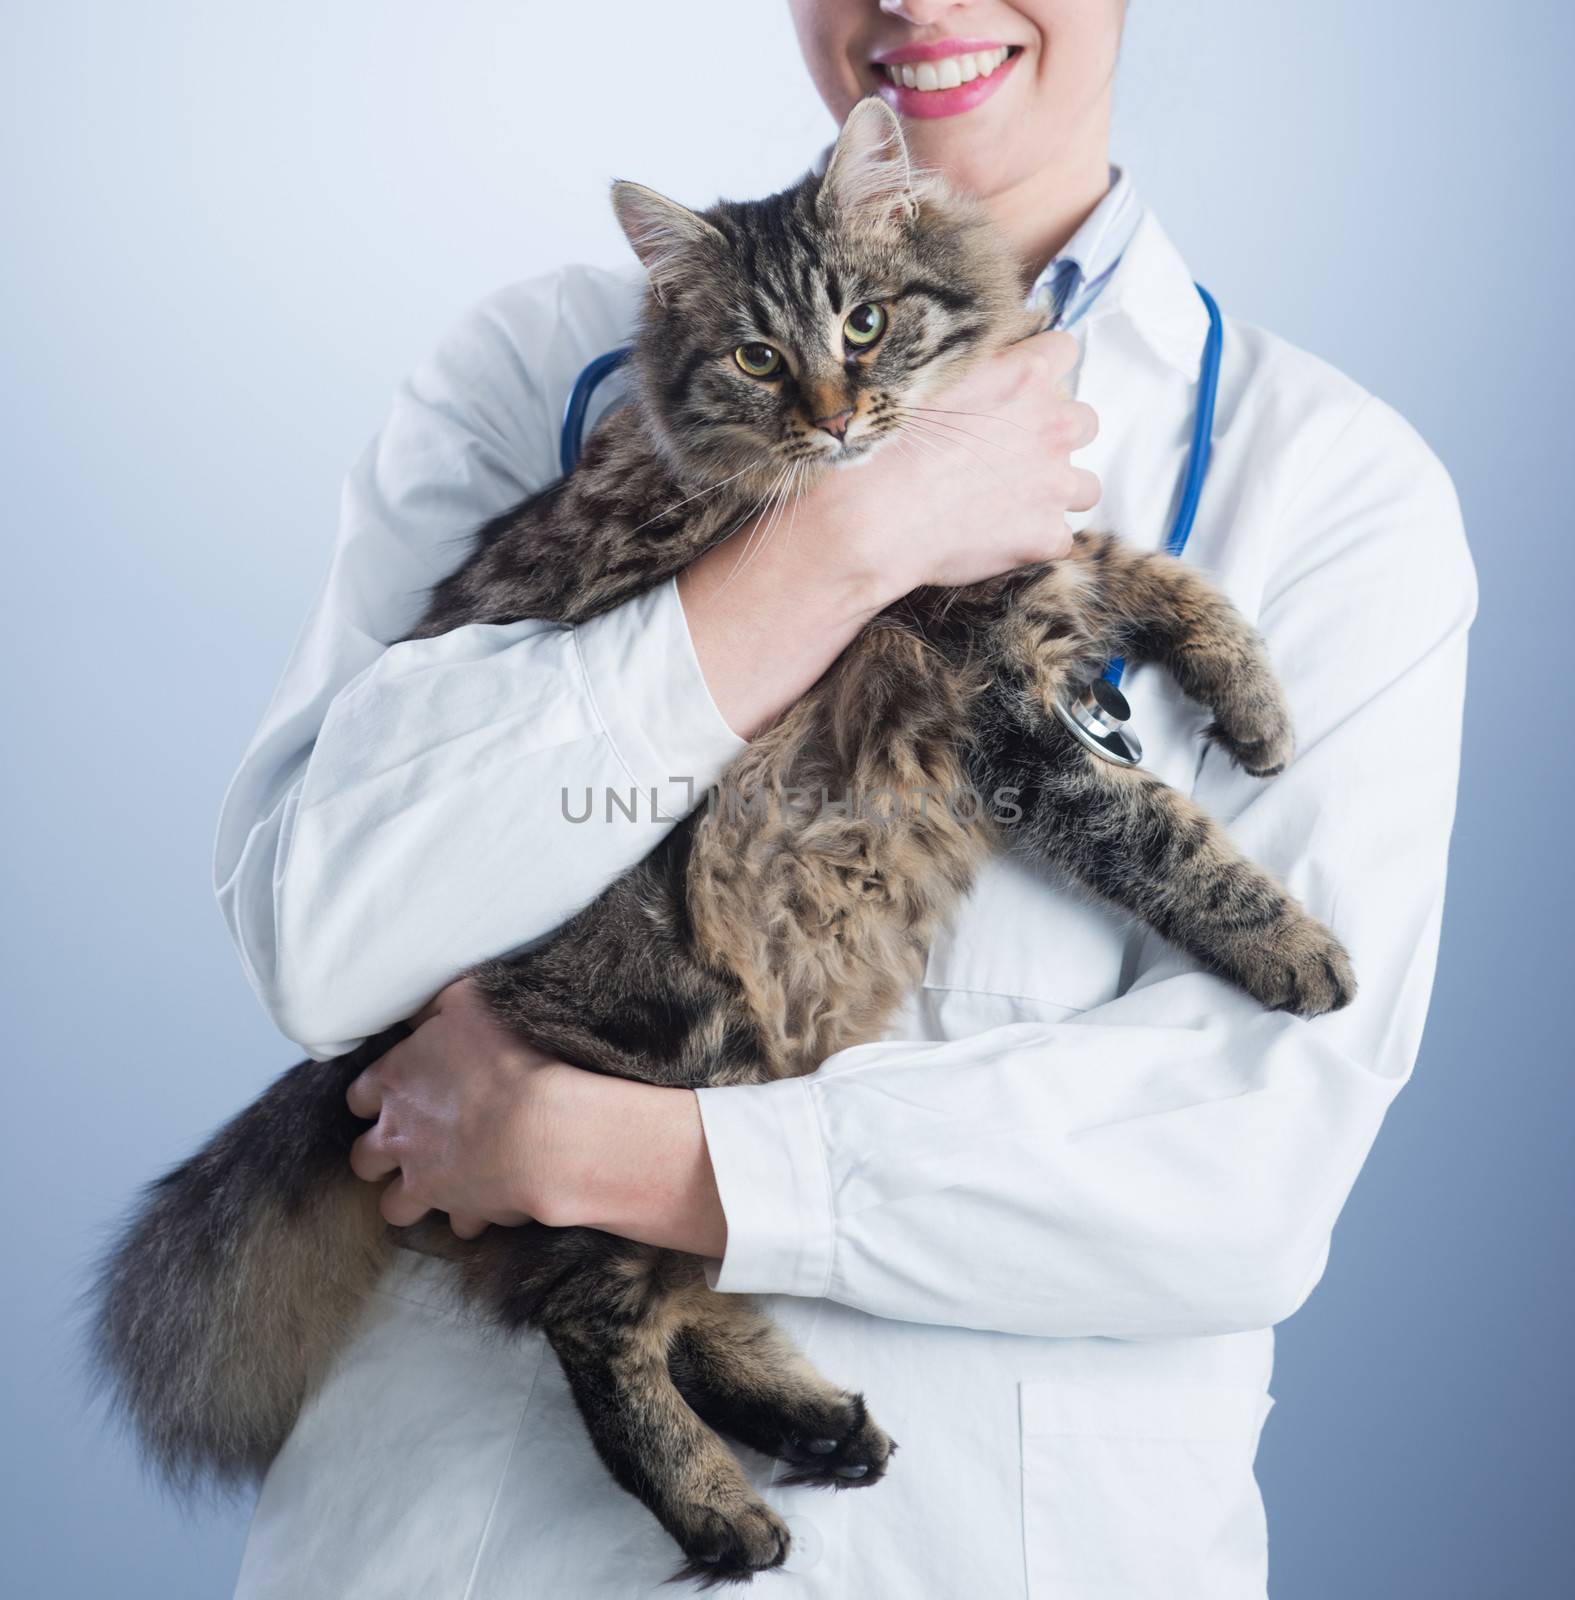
(1100, 716)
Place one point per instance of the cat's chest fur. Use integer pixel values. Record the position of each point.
(840, 843)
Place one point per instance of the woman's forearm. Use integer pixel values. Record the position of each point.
(769, 612)
(635, 1163)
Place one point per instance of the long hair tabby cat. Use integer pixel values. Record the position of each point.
(760, 937)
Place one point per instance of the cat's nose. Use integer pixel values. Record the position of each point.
(836, 424)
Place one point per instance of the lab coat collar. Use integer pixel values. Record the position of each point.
(1154, 291)
(1106, 231)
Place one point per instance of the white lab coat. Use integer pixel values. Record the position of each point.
(1048, 1225)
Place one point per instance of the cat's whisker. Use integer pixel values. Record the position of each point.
(927, 431)
(911, 435)
(782, 503)
(981, 416)
(936, 444)
(743, 521)
(967, 433)
(762, 528)
(727, 533)
(902, 445)
(798, 494)
(761, 533)
(768, 527)
(928, 446)
(920, 428)
(917, 448)
(699, 494)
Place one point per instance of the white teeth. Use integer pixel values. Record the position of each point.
(949, 73)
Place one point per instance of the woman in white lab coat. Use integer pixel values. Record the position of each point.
(1049, 1223)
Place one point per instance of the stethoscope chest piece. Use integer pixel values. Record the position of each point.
(1097, 718)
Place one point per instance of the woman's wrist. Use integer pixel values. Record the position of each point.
(627, 1158)
(770, 608)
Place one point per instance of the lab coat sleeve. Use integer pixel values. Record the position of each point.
(404, 810)
(1173, 1162)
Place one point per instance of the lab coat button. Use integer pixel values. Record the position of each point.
(808, 1546)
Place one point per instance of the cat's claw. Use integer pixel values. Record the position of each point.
(1261, 745)
(730, 1547)
(848, 1451)
(1306, 972)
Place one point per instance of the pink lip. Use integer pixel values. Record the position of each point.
(943, 102)
(906, 54)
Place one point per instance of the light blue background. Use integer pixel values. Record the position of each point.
(230, 228)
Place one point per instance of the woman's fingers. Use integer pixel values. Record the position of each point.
(370, 1160)
(449, 993)
(1056, 349)
(365, 1095)
(1086, 490)
(401, 1209)
(467, 1227)
(1081, 424)
(428, 1011)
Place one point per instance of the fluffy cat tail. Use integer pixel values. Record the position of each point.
(217, 1310)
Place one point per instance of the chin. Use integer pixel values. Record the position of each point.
(973, 159)
(969, 164)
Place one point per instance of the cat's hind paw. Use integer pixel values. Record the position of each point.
(844, 1449)
(729, 1545)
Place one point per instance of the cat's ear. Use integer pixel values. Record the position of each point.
(869, 177)
(661, 232)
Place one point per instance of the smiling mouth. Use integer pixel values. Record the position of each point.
(950, 72)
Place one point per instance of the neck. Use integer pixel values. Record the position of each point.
(1042, 212)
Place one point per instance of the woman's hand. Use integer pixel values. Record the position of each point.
(456, 1106)
(979, 484)
(474, 1122)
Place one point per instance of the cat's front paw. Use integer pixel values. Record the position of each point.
(839, 1446)
(728, 1540)
(1257, 735)
(1301, 968)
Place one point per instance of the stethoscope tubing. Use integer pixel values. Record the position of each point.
(571, 436)
(1198, 453)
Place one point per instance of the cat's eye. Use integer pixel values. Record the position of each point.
(758, 360)
(864, 325)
